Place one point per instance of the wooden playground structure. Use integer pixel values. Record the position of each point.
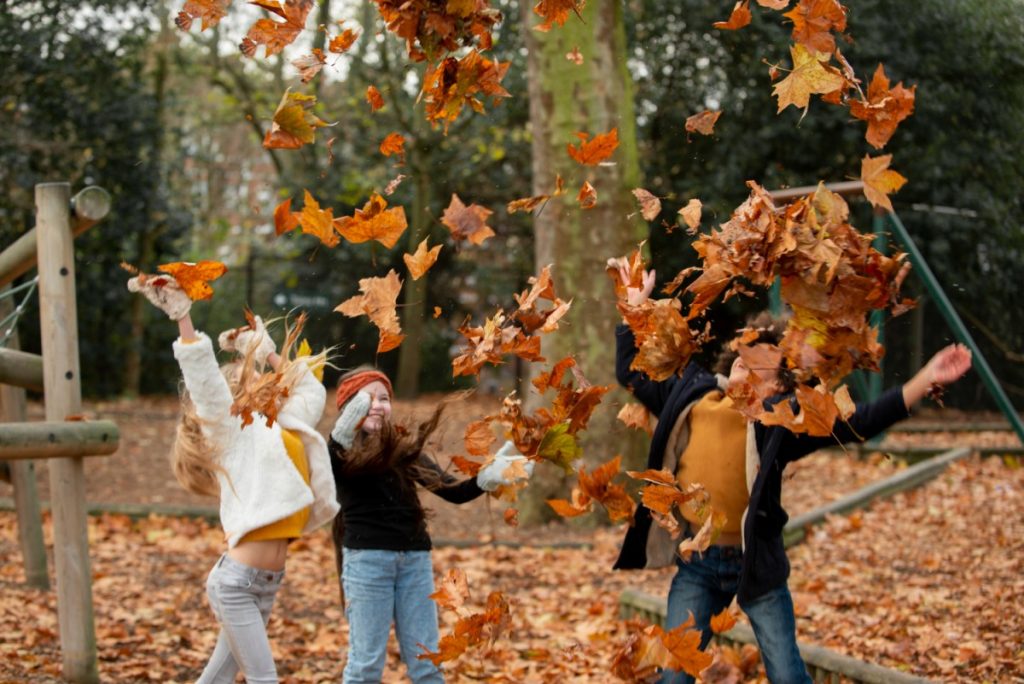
(63, 438)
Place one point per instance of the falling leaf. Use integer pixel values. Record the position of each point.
(880, 180)
(575, 56)
(316, 221)
(274, 35)
(310, 65)
(478, 438)
(531, 203)
(810, 74)
(464, 465)
(294, 122)
(420, 262)
(394, 143)
(343, 41)
(453, 590)
(635, 416)
(378, 301)
(650, 205)
(594, 151)
(691, 213)
(210, 11)
(454, 83)
(511, 516)
(467, 222)
(284, 220)
(437, 312)
(194, 278)
(556, 12)
(884, 108)
(773, 4)
(394, 183)
(587, 196)
(814, 21)
(375, 99)
(373, 222)
(739, 18)
(723, 622)
(703, 122)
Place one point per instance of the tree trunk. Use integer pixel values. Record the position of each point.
(414, 297)
(592, 97)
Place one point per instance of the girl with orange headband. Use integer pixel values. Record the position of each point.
(380, 536)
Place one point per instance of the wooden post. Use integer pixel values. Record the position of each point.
(58, 318)
(23, 477)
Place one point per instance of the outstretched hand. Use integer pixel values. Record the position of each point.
(949, 364)
(507, 467)
(164, 293)
(635, 296)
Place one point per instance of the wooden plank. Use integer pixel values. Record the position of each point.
(58, 319)
(64, 439)
(89, 206)
(21, 369)
(23, 477)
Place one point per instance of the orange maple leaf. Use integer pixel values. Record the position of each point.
(195, 279)
(421, 261)
(556, 12)
(597, 486)
(739, 18)
(880, 180)
(310, 65)
(884, 108)
(453, 590)
(316, 221)
(274, 35)
(294, 123)
(594, 151)
(650, 205)
(587, 196)
(691, 213)
(284, 220)
(454, 83)
(393, 143)
(635, 416)
(814, 21)
(810, 74)
(343, 41)
(376, 101)
(702, 122)
(464, 465)
(467, 222)
(210, 11)
(531, 203)
(723, 622)
(373, 222)
(378, 301)
(479, 437)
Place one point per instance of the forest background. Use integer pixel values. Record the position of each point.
(170, 123)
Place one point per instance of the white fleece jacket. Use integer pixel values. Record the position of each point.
(262, 484)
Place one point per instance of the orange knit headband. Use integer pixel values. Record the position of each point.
(348, 386)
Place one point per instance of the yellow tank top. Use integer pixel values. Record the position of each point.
(292, 526)
(715, 456)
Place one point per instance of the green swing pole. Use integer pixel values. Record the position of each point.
(957, 325)
(874, 380)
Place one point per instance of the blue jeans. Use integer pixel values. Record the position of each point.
(382, 587)
(241, 597)
(706, 586)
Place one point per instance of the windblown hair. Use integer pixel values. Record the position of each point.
(194, 460)
(770, 331)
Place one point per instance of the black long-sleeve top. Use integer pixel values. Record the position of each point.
(379, 512)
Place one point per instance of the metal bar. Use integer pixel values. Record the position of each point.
(840, 188)
(957, 325)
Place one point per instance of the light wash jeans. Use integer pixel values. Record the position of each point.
(706, 586)
(241, 597)
(382, 587)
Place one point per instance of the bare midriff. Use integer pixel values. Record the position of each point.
(265, 554)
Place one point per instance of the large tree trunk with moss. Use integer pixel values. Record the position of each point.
(414, 299)
(566, 98)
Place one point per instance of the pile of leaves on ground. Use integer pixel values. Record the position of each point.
(929, 582)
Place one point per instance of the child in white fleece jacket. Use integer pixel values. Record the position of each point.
(274, 481)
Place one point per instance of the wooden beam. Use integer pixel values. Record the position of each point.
(841, 188)
(87, 208)
(21, 369)
(58, 324)
(23, 475)
(63, 439)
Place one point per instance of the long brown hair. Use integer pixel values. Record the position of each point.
(194, 459)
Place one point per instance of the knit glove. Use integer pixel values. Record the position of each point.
(352, 415)
(254, 339)
(493, 475)
(164, 293)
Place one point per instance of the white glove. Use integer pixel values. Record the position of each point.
(493, 475)
(164, 293)
(255, 340)
(352, 414)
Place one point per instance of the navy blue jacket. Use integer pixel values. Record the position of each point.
(765, 566)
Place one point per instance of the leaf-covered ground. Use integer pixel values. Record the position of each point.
(930, 581)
